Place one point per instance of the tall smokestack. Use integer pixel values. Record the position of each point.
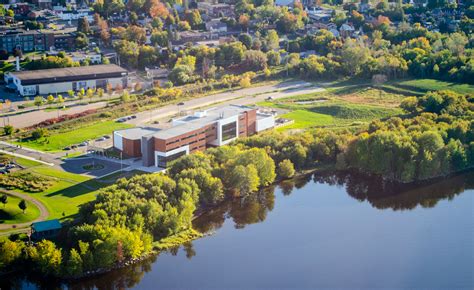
(17, 63)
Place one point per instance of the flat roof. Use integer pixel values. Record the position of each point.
(69, 74)
(193, 122)
(136, 133)
(46, 225)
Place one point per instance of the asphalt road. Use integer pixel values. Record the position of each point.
(238, 97)
(43, 211)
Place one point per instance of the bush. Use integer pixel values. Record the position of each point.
(39, 133)
(286, 169)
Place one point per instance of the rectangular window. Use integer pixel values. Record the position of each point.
(163, 161)
(229, 131)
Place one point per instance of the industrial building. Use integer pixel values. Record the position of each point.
(203, 129)
(60, 80)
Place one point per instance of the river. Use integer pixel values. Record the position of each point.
(318, 231)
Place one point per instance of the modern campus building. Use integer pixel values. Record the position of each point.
(60, 80)
(203, 129)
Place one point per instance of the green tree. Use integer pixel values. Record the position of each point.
(273, 58)
(39, 101)
(22, 205)
(10, 252)
(286, 169)
(8, 130)
(244, 179)
(74, 264)
(246, 39)
(4, 199)
(272, 40)
(47, 258)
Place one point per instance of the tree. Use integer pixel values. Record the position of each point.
(286, 169)
(74, 265)
(60, 100)
(81, 40)
(4, 199)
(193, 17)
(181, 74)
(246, 39)
(22, 205)
(50, 99)
(100, 92)
(273, 58)
(47, 258)
(245, 82)
(39, 133)
(10, 252)
(157, 9)
(8, 130)
(255, 60)
(244, 179)
(272, 40)
(83, 25)
(125, 98)
(39, 101)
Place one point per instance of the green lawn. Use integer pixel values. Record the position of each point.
(67, 193)
(57, 141)
(421, 86)
(305, 119)
(12, 214)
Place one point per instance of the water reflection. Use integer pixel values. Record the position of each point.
(387, 195)
(255, 209)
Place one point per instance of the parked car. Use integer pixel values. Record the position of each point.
(269, 98)
(134, 117)
(181, 104)
(100, 139)
(106, 137)
(121, 120)
(67, 148)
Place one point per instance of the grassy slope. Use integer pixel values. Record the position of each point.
(425, 85)
(12, 214)
(354, 102)
(57, 141)
(67, 194)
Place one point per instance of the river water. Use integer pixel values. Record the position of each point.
(319, 231)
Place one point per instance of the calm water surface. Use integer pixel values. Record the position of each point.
(321, 231)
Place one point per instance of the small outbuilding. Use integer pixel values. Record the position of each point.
(45, 229)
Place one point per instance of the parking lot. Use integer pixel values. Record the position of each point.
(79, 166)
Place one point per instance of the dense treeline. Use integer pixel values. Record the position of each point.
(434, 139)
(125, 219)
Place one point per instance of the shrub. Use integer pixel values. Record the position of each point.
(286, 169)
(39, 133)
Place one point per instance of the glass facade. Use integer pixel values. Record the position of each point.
(229, 131)
(163, 161)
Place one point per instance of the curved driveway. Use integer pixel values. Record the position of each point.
(43, 211)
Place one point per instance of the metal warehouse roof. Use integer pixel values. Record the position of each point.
(46, 225)
(70, 73)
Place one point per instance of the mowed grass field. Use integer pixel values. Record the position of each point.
(12, 214)
(354, 103)
(57, 141)
(422, 86)
(67, 193)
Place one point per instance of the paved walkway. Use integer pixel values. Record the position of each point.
(43, 211)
